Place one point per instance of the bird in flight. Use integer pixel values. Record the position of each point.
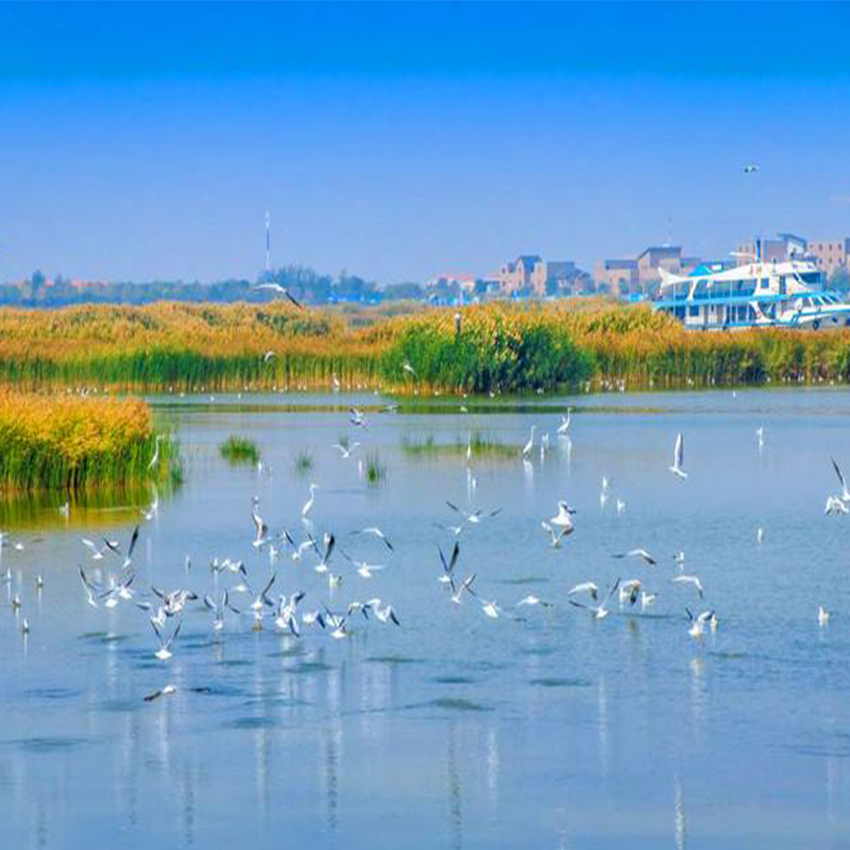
(679, 458)
(276, 287)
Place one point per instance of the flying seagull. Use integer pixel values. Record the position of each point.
(308, 505)
(448, 566)
(358, 418)
(155, 458)
(834, 505)
(679, 458)
(845, 493)
(638, 553)
(282, 290)
(586, 587)
(526, 449)
(345, 451)
(692, 580)
(556, 536)
(599, 611)
(376, 532)
(164, 651)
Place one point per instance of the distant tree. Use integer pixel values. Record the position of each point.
(407, 291)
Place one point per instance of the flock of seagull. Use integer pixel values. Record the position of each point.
(110, 579)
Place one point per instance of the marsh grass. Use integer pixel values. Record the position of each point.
(303, 462)
(376, 470)
(169, 347)
(73, 443)
(478, 445)
(237, 449)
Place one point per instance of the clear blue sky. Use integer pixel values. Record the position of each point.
(400, 140)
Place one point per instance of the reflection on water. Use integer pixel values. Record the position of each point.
(453, 787)
(45, 510)
(679, 816)
(541, 728)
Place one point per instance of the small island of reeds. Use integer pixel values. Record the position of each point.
(72, 443)
(238, 449)
(475, 445)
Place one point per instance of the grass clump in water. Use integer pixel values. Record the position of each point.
(477, 445)
(376, 470)
(303, 462)
(238, 449)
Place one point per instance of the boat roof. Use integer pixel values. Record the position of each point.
(748, 271)
(730, 300)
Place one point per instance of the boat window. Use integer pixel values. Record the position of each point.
(694, 311)
(765, 283)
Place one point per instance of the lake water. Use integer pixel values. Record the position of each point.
(543, 728)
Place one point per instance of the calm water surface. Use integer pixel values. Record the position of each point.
(543, 728)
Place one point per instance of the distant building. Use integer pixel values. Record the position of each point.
(517, 275)
(532, 273)
(628, 276)
(831, 256)
(617, 275)
(785, 246)
(650, 260)
(551, 276)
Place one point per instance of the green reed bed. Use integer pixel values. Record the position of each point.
(237, 449)
(477, 445)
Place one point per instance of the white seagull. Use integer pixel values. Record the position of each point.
(345, 451)
(376, 532)
(556, 536)
(637, 553)
(599, 611)
(563, 519)
(155, 458)
(276, 287)
(585, 587)
(845, 493)
(698, 624)
(532, 600)
(679, 458)
(164, 651)
(308, 505)
(465, 586)
(526, 449)
(692, 580)
(358, 418)
(448, 566)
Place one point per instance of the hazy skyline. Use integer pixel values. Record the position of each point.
(398, 141)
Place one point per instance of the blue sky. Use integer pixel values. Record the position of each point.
(401, 140)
